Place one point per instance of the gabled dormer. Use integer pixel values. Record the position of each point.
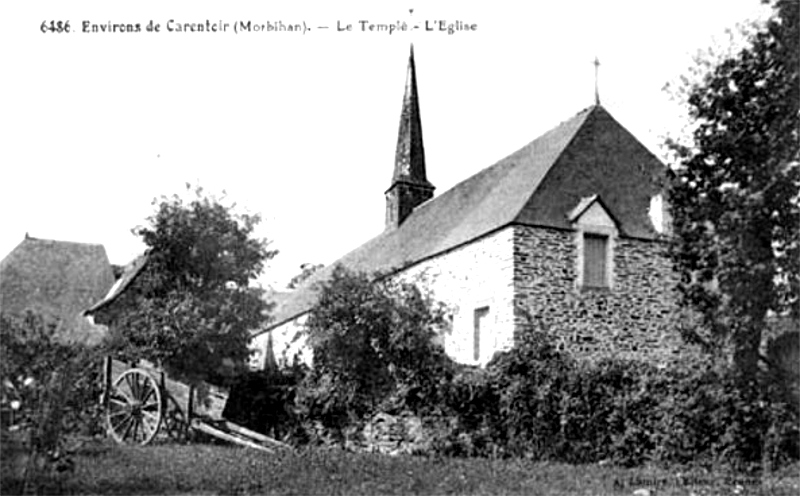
(596, 231)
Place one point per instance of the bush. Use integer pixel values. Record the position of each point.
(373, 350)
(191, 308)
(604, 412)
(466, 423)
(528, 380)
(30, 357)
(710, 415)
(50, 389)
(511, 408)
(536, 402)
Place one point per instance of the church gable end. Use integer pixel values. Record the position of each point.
(603, 158)
(588, 266)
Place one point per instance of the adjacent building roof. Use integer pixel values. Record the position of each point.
(129, 273)
(538, 185)
(56, 279)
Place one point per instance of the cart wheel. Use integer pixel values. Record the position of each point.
(134, 408)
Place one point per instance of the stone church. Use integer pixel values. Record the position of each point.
(566, 235)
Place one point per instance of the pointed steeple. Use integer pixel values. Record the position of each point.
(410, 186)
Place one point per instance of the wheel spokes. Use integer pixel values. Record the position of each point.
(118, 413)
(120, 394)
(150, 392)
(127, 418)
(134, 408)
(131, 421)
(130, 381)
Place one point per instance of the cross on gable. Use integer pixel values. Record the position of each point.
(596, 76)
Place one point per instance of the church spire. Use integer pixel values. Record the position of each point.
(410, 186)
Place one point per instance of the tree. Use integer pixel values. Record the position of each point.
(734, 194)
(372, 339)
(195, 307)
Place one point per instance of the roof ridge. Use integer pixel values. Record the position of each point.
(578, 120)
(30, 241)
(551, 132)
(503, 161)
(60, 241)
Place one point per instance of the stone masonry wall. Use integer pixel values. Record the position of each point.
(477, 275)
(635, 318)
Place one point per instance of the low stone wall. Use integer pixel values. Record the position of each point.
(394, 435)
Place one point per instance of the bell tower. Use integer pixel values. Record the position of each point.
(410, 186)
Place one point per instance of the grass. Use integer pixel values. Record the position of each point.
(102, 468)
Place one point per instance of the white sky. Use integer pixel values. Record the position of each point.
(302, 127)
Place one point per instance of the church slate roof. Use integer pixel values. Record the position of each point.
(56, 279)
(538, 185)
(604, 159)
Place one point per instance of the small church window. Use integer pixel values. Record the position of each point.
(595, 256)
(481, 318)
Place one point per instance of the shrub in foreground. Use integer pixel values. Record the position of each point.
(534, 401)
(30, 356)
(49, 389)
(374, 349)
(374, 352)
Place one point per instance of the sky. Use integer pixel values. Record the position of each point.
(301, 127)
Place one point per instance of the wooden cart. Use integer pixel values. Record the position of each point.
(141, 402)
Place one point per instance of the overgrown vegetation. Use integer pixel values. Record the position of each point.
(373, 343)
(537, 403)
(375, 352)
(50, 390)
(194, 307)
(30, 353)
